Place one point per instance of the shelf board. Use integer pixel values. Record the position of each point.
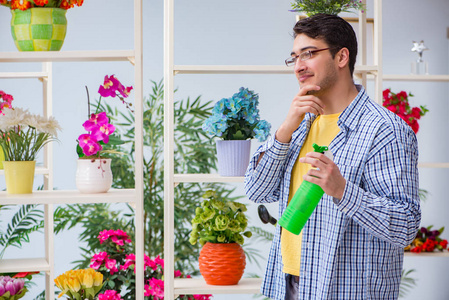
(38, 170)
(433, 165)
(191, 286)
(67, 56)
(249, 69)
(416, 77)
(24, 265)
(427, 254)
(13, 75)
(206, 178)
(69, 197)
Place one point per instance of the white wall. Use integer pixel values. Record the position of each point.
(235, 32)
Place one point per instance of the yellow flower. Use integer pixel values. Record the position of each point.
(88, 280)
(76, 282)
(98, 279)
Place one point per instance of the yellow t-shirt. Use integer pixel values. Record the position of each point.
(323, 130)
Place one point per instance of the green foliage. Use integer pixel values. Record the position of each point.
(26, 220)
(407, 283)
(219, 221)
(333, 7)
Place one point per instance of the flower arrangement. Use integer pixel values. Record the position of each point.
(26, 4)
(219, 221)
(237, 118)
(12, 288)
(80, 284)
(117, 264)
(99, 129)
(427, 240)
(333, 7)
(399, 104)
(25, 134)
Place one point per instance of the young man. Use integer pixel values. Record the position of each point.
(352, 246)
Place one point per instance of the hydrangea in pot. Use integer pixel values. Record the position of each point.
(236, 121)
(220, 226)
(93, 174)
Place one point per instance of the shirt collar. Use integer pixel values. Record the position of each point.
(350, 116)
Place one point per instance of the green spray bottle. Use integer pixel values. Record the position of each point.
(303, 203)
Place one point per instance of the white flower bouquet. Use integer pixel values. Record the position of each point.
(24, 134)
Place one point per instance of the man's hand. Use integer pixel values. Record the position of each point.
(327, 176)
(301, 104)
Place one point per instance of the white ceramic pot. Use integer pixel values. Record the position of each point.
(233, 157)
(93, 175)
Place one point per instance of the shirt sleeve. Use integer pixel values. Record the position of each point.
(387, 203)
(262, 180)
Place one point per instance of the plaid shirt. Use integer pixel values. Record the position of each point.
(352, 248)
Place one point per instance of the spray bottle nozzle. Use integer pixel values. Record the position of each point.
(320, 149)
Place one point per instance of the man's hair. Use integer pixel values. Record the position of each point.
(335, 31)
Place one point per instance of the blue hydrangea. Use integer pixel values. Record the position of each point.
(237, 118)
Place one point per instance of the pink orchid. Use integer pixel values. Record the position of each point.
(91, 147)
(110, 86)
(103, 132)
(95, 121)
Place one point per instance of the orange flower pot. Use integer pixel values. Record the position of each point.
(222, 264)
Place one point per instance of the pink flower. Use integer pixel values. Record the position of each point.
(111, 265)
(95, 121)
(91, 147)
(130, 260)
(159, 261)
(178, 273)
(109, 295)
(110, 86)
(118, 236)
(97, 260)
(103, 132)
(202, 297)
(156, 289)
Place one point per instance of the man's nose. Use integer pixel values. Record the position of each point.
(299, 66)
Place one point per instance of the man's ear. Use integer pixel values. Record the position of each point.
(342, 57)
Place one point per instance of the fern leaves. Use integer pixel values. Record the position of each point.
(26, 221)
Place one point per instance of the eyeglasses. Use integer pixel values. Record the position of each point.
(291, 61)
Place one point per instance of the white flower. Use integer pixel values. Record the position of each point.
(13, 118)
(51, 126)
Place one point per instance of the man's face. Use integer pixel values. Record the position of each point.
(320, 69)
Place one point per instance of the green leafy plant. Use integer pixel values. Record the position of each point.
(219, 221)
(333, 7)
(407, 282)
(26, 220)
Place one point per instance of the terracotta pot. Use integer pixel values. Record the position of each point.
(222, 264)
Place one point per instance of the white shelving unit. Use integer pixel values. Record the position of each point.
(48, 197)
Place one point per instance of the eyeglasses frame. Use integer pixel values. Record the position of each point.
(302, 53)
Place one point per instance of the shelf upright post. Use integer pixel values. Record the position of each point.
(138, 115)
(362, 42)
(169, 122)
(47, 84)
(378, 49)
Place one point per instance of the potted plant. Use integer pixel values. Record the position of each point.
(236, 121)
(39, 25)
(93, 174)
(333, 7)
(220, 226)
(23, 135)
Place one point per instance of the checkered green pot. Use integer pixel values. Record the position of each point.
(39, 28)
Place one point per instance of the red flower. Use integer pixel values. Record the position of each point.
(416, 113)
(443, 244)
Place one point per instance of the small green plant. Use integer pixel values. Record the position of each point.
(332, 7)
(219, 221)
